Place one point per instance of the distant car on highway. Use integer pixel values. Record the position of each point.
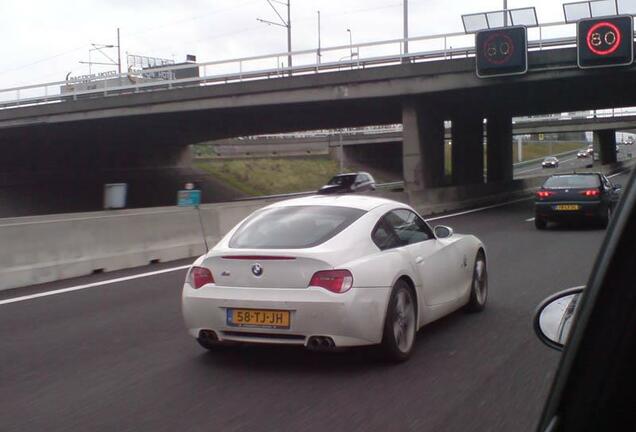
(583, 154)
(550, 162)
(583, 196)
(326, 272)
(349, 183)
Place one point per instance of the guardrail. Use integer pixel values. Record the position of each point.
(360, 56)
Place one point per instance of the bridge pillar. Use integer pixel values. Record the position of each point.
(605, 145)
(422, 147)
(499, 149)
(467, 150)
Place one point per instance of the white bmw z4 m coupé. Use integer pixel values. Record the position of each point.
(326, 272)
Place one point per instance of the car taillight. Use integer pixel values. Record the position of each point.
(338, 281)
(591, 192)
(199, 276)
(544, 194)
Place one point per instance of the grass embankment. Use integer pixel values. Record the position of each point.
(269, 176)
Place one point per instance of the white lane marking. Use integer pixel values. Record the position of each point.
(530, 219)
(528, 170)
(618, 173)
(479, 209)
(90, 285)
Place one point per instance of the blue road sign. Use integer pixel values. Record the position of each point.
(189, 198)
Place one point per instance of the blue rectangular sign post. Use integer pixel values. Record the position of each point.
(189, 198)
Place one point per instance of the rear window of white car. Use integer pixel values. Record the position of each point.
(293, 227)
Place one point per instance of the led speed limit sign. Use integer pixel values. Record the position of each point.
(501, 52)
(605, 42)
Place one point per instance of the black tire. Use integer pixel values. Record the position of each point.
(540, 223)
(478, 285)
(393, 348)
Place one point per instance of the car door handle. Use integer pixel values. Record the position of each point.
(419, 260)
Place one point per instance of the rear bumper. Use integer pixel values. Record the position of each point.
(587, 210)
(350, 319)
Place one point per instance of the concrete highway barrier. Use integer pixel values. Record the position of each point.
(46, 248)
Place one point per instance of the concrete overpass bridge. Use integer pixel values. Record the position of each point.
(321, 141)
(146, 130)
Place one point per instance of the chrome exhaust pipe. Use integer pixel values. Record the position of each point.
(208, 336)
(320, 343)
(313, 343)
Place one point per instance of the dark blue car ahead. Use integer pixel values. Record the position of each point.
(570, 197)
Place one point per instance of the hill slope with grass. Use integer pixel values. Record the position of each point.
(271, 176)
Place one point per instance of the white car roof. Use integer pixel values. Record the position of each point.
(362, 202)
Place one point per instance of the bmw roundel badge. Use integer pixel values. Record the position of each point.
(257, 269)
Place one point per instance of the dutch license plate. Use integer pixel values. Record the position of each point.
(567, 207)
(258, 318)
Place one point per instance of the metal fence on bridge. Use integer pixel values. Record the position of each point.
(343, 57)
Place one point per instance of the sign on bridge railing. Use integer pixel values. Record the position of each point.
(502, 51)
(603, 42)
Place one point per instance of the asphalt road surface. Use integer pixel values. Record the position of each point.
(116, 357)
(569, 163)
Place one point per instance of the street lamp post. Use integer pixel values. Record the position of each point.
(289, 48)
(406, 26)
(118, 53)
(99, 47)
(283, 23)
(350, 45)
(505, 5)
(319, 54)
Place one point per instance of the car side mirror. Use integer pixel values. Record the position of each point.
(442, 231)
(554, 316)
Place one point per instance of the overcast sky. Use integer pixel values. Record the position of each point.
(43, 40)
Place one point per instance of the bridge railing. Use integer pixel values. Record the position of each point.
(269, 66)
